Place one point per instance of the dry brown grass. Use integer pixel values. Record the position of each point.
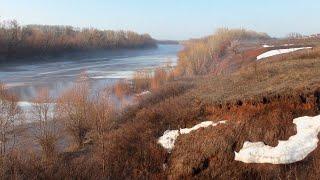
(141, 80)
(202, 56)
(122, 89)
(211, 153)
(261, 78)
(160, 77)
(152, 79)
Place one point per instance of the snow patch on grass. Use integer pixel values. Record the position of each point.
(280, 51)
(170, 136)
(266, 46)
(295, 149)
(168, 139)
(144, 93)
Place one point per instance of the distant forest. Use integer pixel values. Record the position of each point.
(38, 40)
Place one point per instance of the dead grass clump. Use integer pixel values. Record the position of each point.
(166, 91)
(141, 80)
(160, 76)
(152, 79)
(132, 152)
(122, 89)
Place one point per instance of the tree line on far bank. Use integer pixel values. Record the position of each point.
(38, 40)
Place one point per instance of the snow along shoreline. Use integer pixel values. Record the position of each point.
(279, 51)
(170, 136)
(295, 149)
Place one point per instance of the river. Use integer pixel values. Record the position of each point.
(103, 68)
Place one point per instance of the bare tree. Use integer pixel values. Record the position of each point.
(10, 114)
(102, 115)
(73, 108)
(46, 133)
(295, 35)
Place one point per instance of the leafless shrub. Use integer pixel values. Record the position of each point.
(46, 121)
(103, 115)
(10, 116)
(73, 107)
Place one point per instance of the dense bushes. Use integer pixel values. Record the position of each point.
(202, 56)
(33, 40)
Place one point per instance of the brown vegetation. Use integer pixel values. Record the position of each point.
(202, 56)
(152, 79)
(122, 89)
(46, 133)
(141, 80)
(9, 117)
(73, 107)
(259, 100)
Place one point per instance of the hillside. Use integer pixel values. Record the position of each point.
(258, 101)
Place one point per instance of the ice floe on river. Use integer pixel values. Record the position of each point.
(170, 136)
(295, 149)
(280, 51)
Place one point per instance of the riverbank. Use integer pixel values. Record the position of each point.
(43, 40)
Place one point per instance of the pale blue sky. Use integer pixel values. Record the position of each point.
(170, 19)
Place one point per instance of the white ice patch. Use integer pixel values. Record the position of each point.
(280, 51)
(144, 93)
(25, 104)
(114, 75)
(170, 136)
(288, 45)
(266, 46)
(295, 149)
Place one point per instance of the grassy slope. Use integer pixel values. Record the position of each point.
(259, 101)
